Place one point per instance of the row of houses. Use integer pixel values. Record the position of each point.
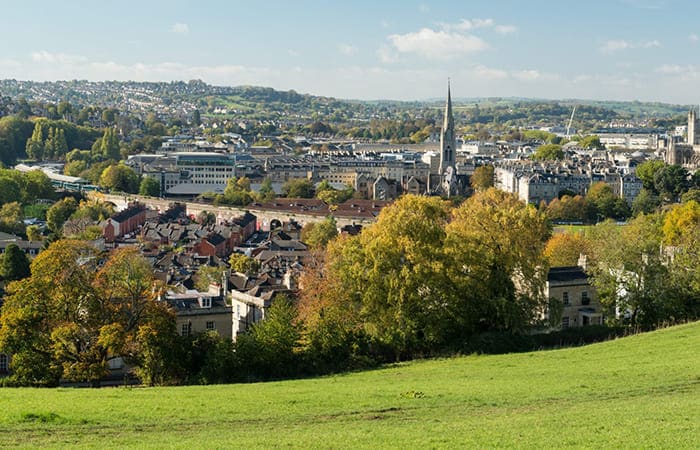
(536, 182)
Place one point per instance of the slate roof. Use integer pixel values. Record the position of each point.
(567, 274)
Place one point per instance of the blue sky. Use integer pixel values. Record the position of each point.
(616, 49)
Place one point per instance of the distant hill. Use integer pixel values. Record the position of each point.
(640, 391)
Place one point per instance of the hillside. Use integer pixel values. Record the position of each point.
(641, 391)
(264, 103)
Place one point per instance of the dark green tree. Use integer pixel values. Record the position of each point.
(149, 186)
(548, 152)
(119, 177)
(35, 144)
(59, 212)
(298, 188)
(14, 264)
(645, 203)
(646, 172)
(317, 235)
(196, 118)
(670, 182)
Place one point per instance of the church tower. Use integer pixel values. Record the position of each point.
(448, 142)
(692, 122)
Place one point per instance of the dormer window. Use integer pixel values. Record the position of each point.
(205, 302)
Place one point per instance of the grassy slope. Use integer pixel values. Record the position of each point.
(642, 391)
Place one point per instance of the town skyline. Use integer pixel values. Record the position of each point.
(625, 50)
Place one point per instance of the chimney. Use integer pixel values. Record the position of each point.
(582, 261)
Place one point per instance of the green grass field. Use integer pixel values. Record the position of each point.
(642, 391)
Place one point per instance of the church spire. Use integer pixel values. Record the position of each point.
(448, 142)
(448, 120)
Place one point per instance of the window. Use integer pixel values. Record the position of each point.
(565, 322)
(238, 311)
(206, 302)
(3, 363)
(565, 298)
(584, 298)
(185, 329)
(211, 325)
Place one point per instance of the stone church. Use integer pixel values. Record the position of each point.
(447, 182)
(686, 154)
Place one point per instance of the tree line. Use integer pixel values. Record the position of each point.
(426, 279)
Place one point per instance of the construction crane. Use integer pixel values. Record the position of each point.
(571, 119)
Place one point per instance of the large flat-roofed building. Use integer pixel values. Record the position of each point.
(187, 173)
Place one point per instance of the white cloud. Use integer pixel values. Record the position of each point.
(180, 28)
(678, 72)
(347, 49)
(43, 56)
(613, 46)
(506, 29)
(670, 69)
(387, 55)
(436, 44)
(527, 75)
(469, 24)
(443, 42)
(488, 73)
(693, 38)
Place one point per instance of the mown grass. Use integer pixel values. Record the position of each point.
(641, 391)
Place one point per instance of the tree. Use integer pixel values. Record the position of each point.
(9, 189)
(11, 218)
(266, 192)
(591, 142)
(548, 152)
(670, 182)
(496, 243)
(75, 168)
(605, 203)
(568, 209)
(119, 177)
(243, 264)
(630, 273)
(35, 144)
(150, 187)
(70, 317)
(564, 249)
(14, 264)
(196, 118)
(482, 178)
(645, 203)
(37, 185)
(109, 145)
(64, 109)
(59, 212)
(393, 276)
(109, 115)
(206, 218)
(207, 275)
(646, 172)
(298, 188)
(93, 210)
(317, 235)
(34, 233)
(331, 195)
(270, 348)
(237, 192)
(680, 221)
(692, 194)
